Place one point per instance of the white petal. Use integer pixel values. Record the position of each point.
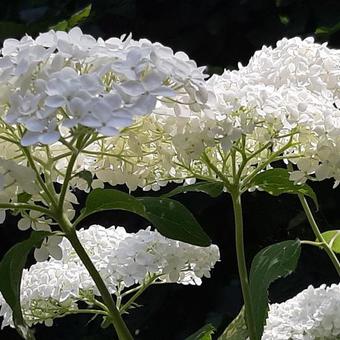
(2, 216)
(49, 137)
(144, 105)
(24, 224)
(132, 88)
(41, 254)
(35, 125)
(152, 81)
(55, 101)
(113, 100)
(56, 252)
(108, 131)
(164, 91)
(30, 138)
(90, 121)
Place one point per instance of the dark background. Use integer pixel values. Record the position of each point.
(219, 34)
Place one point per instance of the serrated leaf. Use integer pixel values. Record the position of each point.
(11, 267)
(203, 333)
(277, 260)
(237, 329)
(171, 218)
(276, 182)
(213, 189)
(332, 237)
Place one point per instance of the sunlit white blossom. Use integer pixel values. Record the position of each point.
(313, 314)
(64, 79)
(286, 99)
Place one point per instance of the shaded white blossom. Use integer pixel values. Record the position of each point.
(52, 288)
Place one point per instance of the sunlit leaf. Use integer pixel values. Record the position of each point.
(275, 261)
(332, 237)
(203, 333)
(237, 329)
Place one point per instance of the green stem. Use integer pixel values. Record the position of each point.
(247, 180)
(42, 184)
(117, 321)
(141, 289)
(312, 243)
(210, 165)
(23, 206)
(67, 179)
(318, 234)
(241, 263)
(86, 311)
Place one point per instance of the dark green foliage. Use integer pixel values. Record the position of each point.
(171, 218)
(276, 182)
(11, 267)
(275, 261)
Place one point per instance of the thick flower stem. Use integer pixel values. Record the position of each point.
(241, 263)
(117, 321)
(318, 234)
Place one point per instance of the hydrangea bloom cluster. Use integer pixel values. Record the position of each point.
(62, 93)
(64, 79)
(313, 314)
(286, 100)
(51, 289)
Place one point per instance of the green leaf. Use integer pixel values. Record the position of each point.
(213, 189)
(79, 16)
(277, 260)
(332, 237)
(171, 218)
(11, 267)
(237, 329)
(276, 182)
(74, 20)
(85, 175)
(60, 26)
(327, 31)
(284, 19)
(110, 199)
(203, 333)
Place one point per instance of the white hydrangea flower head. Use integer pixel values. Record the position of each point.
(288, 93)
(52, 288)
(61, 80)
(59, 86)
(313, 314)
